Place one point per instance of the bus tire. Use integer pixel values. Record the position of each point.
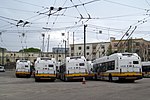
(36, 80)
(110, 78)
(95, 77)
(17, 76)
(28, 76)
(65, 79)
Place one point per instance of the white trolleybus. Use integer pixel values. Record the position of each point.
(118, 66)
(23, 68)
(45, 68)
(146, 69)
(73, 68)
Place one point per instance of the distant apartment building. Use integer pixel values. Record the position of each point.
(139, 46)
(12, 56)
(92, 50)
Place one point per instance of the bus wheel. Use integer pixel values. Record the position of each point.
(110, 78)
(28, 76)
(65, 79)
(17, 76)
(36, 80)
(95, 77)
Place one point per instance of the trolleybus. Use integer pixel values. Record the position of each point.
(73, 68)
(23, 68)
(45, 68)
(118, 66)
(146, 69)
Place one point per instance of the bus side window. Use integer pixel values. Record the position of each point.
(26, 65)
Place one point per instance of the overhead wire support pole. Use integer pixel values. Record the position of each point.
(85, 40)
(73, 45)
(48, 43)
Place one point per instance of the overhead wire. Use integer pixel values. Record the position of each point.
(58, 12)
(17, 9)
(89, 17)
(92, 1)
(125, 5)
(29, 3)
(77, 10)
(147, 2)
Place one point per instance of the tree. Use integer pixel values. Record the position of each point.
(109, 51)
(31, 50)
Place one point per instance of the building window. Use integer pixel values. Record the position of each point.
(79, 48)
(137, 44)
(137, 51)
(79, 53)
(94, 47)
(32, 55)
(14, 55)
(59, 55)
(115, 44)
(29, 55)
(87, 47)
(102, 47)
(94, 53)
(72, 48)
(87, 53)
(71, 54)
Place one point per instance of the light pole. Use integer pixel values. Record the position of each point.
(73, 44)
(85, 40)
(65, 48)
(43, 35)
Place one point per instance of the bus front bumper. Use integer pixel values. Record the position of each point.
(76, 76)
(45, 76)
(22, 73)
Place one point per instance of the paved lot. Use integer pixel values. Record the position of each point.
(12, 88)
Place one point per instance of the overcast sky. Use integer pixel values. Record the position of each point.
(22, 22)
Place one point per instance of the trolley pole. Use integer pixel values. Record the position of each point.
(85, 40)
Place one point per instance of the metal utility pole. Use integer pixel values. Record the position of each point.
(43, 35)
(73, 44)
(57, 52)
(48, 43)
(65, 49)
(85, 40)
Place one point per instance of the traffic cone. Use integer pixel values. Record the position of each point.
(83, 81)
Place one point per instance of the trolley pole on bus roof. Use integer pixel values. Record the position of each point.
(85, 40)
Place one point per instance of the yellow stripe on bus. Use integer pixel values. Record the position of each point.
(22, 72)
(46, 75)
(71, 75)
(121, 74)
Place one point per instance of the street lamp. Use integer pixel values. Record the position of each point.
(65, 48)
(43, 35)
